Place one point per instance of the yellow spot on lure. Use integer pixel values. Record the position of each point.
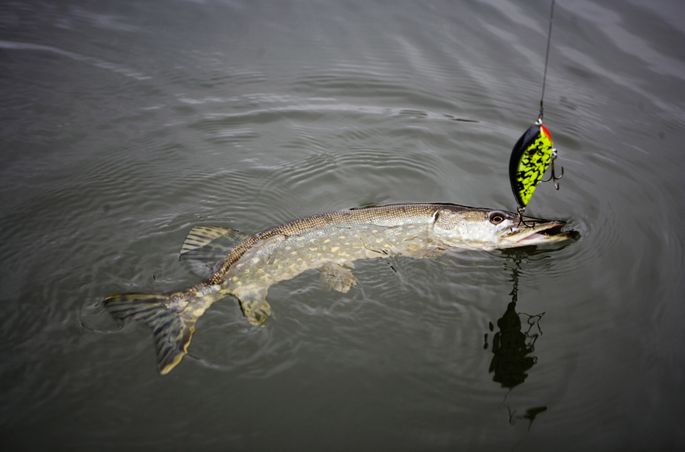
(530, 158)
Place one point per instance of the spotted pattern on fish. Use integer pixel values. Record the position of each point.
(329, 242)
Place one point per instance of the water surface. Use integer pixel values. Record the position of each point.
(126, 123)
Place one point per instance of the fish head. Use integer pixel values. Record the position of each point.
(496, 229)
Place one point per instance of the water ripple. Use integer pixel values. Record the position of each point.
(96, 62)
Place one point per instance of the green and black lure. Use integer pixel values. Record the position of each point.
(534, 152)
(532, 155)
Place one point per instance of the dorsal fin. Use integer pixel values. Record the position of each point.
(201, 236)
(206, 246)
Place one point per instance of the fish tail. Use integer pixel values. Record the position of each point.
(170, 317)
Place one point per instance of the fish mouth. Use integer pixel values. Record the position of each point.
(540, 233)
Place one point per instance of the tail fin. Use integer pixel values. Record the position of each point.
(172, 329)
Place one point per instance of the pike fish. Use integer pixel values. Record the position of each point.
(328, 242)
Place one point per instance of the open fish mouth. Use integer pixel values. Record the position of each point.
(540, 233)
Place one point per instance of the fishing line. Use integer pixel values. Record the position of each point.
(534, 152)
(544, 75)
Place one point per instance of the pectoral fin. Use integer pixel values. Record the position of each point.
(338, 277)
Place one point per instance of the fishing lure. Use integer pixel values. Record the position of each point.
(531, 156)
(534, 152)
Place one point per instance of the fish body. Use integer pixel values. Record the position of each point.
(329, 242)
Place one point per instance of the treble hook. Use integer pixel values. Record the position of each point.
(520, 211)
(553, 176)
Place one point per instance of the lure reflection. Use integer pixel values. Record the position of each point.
(511, 347)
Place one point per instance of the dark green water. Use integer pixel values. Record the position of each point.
(125, 123)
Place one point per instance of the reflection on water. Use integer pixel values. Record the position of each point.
(530, 414)
(513, 345)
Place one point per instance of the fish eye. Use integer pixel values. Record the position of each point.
(496, 217)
